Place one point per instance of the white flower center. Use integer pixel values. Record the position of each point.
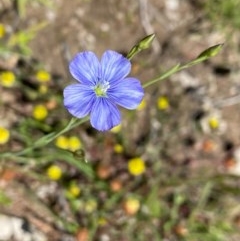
(101, 88)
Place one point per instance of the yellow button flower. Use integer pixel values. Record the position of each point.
(43, 89)
(4, 135)
(7, 78)
(136, 166)
(74, 143)
(163, 103)
(116, 129)
(118, 148)
(2, 30)
(131, 206)
(142, 105)
(74, 190)
(90, 205)
(54, 172)
(43, 76)
(213, 122)
(40, 112)
(62, 142)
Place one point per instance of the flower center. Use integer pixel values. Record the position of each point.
(101, 88)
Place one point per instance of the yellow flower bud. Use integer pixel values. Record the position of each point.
(43, 76)
(118, 148)
(131, 206)
(136, 166)
(74, 143)
(54, 172)
(43, 89)
(7, 79)
(163, 103)
(62, 142)
(74, 190)
(4, 135)
(90, 205)
(40, 112)
(213, 123)
(2, 30)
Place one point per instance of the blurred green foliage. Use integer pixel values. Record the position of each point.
(20, 40)
(224, 13)
(23, 4)
(4, 199)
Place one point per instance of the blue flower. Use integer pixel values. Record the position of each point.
(102, 86)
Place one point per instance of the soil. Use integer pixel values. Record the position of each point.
(182, 31)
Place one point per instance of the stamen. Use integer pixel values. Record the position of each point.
(101, 88)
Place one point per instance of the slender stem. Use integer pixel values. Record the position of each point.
(174, 70)
(43, 141)
(72, 124)
(163, 76)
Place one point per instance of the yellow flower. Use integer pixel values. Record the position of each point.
(90, 205)
(74, 190)
(2, 30)
(62, 142)
(4, 135)
(54, 172)
(118, 148)
(142, 105)
(102, 221)
(40, 112)
(74, 143)
(7, 78)
(131, 206)
(116, 129)
(136, 166)
(213, 122)
(43, 76)
(43, 89)
(163, 103)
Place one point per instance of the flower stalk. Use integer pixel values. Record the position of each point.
(43, 141)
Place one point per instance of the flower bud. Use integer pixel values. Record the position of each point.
(211, 51)
(144, 43)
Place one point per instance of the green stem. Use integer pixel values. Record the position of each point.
(205, 55)
(206, 192)
(43, 141)
(173, 70)
(163, 76)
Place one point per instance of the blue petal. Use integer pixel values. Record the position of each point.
(114, 66)
(104, 115)
(78, 99)
(127, 93)
(85, 67)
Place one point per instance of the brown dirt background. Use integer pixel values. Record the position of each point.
(182, 32)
